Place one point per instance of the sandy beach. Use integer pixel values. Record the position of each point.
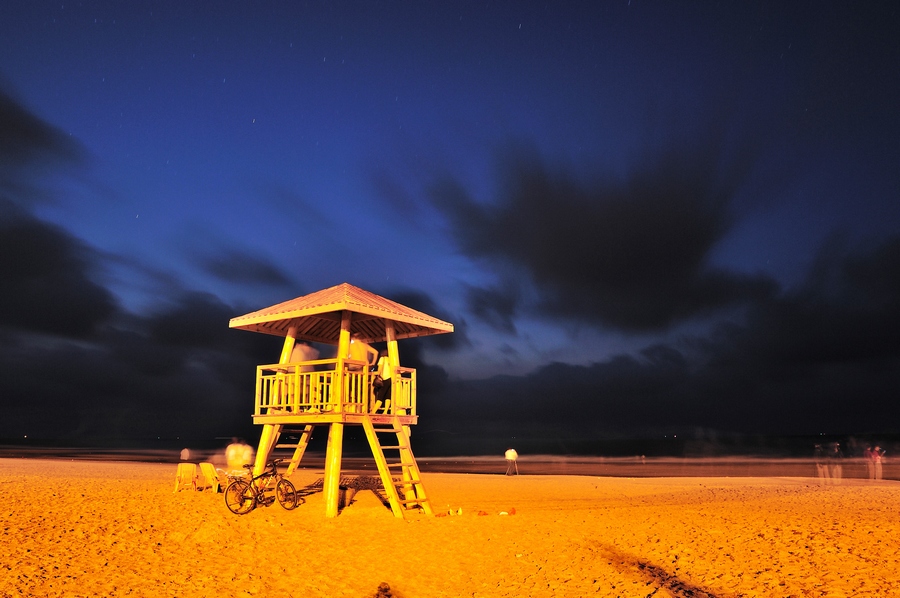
(83, 528)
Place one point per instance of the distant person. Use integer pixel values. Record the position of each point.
(835, 463)
(877, 460)
(383, 392)
(821, 463)
(185, 454)
(238, 454)
(869, 455)
(512, 468)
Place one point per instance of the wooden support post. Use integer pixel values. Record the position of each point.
(332, 481)
(390, 336)
(270, 432)
(335, 447)
(289, 342)
(337, 393)
(393, 360)
(267, 439)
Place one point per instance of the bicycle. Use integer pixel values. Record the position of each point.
(243, 495)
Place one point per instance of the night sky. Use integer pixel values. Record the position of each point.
(644, 219)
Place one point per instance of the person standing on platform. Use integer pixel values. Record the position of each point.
(361, 351)
(383, 394)
(304, 352)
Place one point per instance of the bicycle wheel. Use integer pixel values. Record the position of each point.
(240, 497)
(286, 494)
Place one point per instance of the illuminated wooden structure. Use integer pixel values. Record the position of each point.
(300, 395)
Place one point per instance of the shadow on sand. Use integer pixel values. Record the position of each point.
(655, 576)
(350, 486)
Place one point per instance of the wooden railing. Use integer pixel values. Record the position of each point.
(403, 393)
(311, 387)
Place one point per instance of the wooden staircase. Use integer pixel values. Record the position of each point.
(299, 448)
(408, 492)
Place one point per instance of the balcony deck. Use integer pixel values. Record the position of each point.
(329, 391)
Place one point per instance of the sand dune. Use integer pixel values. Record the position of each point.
(80, 528)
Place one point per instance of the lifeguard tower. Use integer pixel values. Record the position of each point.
(296, 396)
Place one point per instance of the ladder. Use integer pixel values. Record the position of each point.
(410, 482)
(299, 448)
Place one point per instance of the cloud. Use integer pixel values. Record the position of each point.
(494, 306)
(47, 278)
(76, 367)
(296, 206)
(844, 313)
(819, 358)
(24, 138)
(230, 261)
(242, 268)
(177, 373)
(28, 146)
(47, 274)
(425, 304)
(196, 320)
(631, 254)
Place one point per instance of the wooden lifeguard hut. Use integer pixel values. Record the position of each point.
(296, 396)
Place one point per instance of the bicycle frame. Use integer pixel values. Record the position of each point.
(243, 494)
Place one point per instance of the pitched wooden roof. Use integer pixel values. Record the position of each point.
(318, 317)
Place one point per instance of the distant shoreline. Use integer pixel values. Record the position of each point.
(631, 467)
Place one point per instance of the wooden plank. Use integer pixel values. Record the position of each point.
(302, 443)
(380, 462)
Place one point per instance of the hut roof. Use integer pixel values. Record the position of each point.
(318, 317)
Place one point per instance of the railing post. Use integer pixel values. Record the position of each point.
(288, 347)
(340, 368)
(259, 390)
(412, 392)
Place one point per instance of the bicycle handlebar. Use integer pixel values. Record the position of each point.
(270, 463)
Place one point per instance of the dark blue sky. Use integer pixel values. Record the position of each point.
(654, 216)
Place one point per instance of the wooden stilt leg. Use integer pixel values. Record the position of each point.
(267, 440)
(333, 469)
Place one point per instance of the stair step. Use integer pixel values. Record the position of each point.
(397, 489)
(294, 445)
